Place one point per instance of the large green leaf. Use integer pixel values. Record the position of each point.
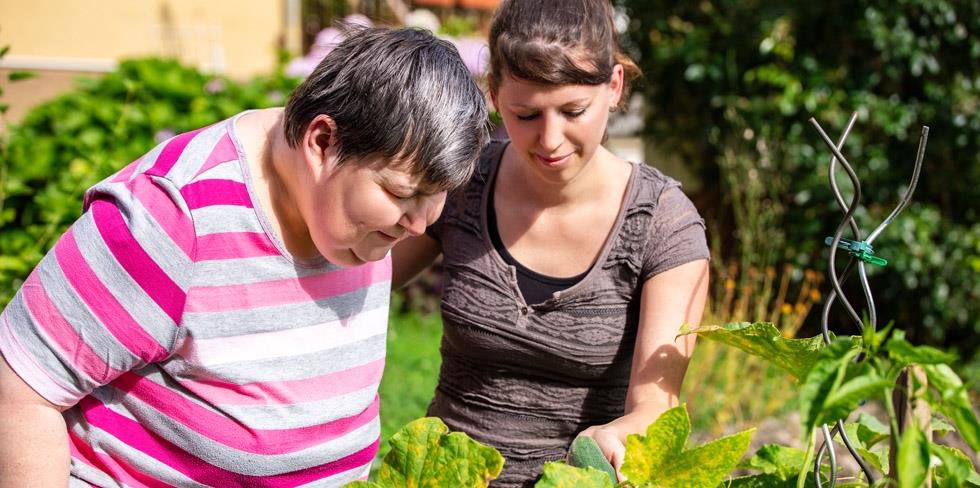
(866, 431)
(862, 383)
(822, 383)
(425, 455)
(561, 475)
(912, 458)
(955, 402)
(660, 460)
(763, 339)
(954, 469)
(780, 461)
(904, 353)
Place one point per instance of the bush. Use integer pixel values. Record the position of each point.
(726, 72)
(66, 145)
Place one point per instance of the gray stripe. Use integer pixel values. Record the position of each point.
(231, 459)
(341, 479)
(208, 325)
(88, 327)
(229, 170)
(121, 285)
(217, 219)
(85, 476)
(316, 363)
(43, 350)
(196, 153)
(289, 416)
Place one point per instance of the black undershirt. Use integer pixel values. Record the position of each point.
(534, 286)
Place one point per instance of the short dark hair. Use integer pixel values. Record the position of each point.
(557, 42)
(400, 95)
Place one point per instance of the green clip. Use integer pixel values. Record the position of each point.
(859, 249)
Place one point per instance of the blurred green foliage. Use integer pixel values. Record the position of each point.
(64, 146)
(723, 75)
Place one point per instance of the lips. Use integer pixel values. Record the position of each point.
(387, 237)
(553, 161)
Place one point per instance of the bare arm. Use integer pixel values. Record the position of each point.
(33, 436)
(668, 300)
(410, 257)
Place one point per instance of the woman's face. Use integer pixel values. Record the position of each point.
(556, 129)
(359, 211)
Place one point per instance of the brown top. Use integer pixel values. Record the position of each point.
(526, 379)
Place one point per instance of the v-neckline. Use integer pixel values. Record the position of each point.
(559, 296)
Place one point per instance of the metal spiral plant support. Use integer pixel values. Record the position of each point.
(861, 254)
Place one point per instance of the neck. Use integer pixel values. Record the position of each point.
(281, 172)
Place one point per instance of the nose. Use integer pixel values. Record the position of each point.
(552, 132)
(424, 212)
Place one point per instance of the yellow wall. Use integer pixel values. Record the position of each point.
(235, 37)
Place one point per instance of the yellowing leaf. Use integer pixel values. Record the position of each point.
(425, 455)
(763, 339)
(660, 460)
(561, 475)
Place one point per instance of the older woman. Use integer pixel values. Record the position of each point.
(217, 315)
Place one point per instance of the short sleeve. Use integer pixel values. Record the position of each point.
(677, 234)
(108, 297)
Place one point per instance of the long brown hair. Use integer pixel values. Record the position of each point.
(557, 42)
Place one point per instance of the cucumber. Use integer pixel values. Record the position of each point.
(584, 452)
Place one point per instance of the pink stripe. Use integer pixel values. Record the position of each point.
(166, 452)
(165, 212)
(134, 259)
(116, 469)
(292, 290)
(223, 152)
(110, 313)
(289, 392)
(206, 193)
(232, 433)
(171, 153)
(234, 245)
(73, 347)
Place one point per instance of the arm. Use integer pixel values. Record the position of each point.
(668, 300)
(410, 257)
(33, 436)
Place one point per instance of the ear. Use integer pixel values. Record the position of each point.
(616, 86)
(319, 143)
(493, 97)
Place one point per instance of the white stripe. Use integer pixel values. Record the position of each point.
(285, 343)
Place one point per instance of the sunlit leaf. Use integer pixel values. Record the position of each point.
(561, 475)
(763, 339)
(903, 352)
(660, 460)
(425, 455)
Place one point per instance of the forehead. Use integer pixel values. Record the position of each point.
(402, 173)
(518, 92)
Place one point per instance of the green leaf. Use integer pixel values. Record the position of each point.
(763, 481)
(905, 353)
(425, 454)
(877, 459)
(781, 461)
(864, 383)
(912, 459)
(763, 339)
(659, 458)
(866, 431)
(940, 427)
(822, 383)
(955, 403)
(20, 75)
(561, 475)
(954, 468)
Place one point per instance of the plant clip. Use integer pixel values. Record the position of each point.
(859, 249)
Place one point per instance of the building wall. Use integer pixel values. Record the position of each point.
(63, 38)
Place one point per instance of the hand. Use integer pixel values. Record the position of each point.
(610, 444)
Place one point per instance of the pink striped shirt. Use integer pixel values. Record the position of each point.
(192, 348)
